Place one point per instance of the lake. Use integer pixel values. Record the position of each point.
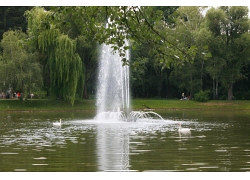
(219, 141)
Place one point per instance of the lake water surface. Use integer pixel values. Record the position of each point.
(219, 141)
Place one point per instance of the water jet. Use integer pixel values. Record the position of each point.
(113, 89)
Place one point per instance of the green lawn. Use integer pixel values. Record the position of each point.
(178, 104)
(45, 105)
(137, 104)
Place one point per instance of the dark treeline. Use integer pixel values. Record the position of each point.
(53, 51)
(12, 18)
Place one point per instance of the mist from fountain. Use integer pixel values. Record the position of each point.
(113, 97)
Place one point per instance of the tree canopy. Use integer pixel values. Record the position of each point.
(19, 67)
(173, 49)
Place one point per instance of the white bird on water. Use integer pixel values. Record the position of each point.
(58, 123)
(183, 130)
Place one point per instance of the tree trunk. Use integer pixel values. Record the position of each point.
(85, 91)
(216, 90)
(213, 89)
(85, 87)
(190, 95)
(168, 93)
(230, 92)
(201, 78)
(159, 86)
(191, 86)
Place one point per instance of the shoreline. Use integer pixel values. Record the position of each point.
(137, 105)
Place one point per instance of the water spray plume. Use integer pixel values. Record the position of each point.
(113, 91)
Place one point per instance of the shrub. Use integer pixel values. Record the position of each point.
(202, 96)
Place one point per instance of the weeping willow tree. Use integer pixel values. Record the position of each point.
(63, 64)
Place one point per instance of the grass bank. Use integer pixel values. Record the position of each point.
(45, 105)
(178, 104)
(137, 104)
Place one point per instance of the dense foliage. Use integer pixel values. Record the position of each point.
(19, 68)
(63, 64)
(12, 18)
(174, 50)
(202, 96)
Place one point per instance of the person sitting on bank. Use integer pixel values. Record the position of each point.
(182, 96)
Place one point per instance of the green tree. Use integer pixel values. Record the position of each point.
(70, 35)
(191, 33)
(58, 50)
(86, 26)
(19, 67)
(230, 26)
(150, 58)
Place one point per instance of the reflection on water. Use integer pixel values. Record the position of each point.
(112, 148)
(218, 142)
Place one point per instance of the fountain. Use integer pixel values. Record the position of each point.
(113, 85)
(113, 95)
